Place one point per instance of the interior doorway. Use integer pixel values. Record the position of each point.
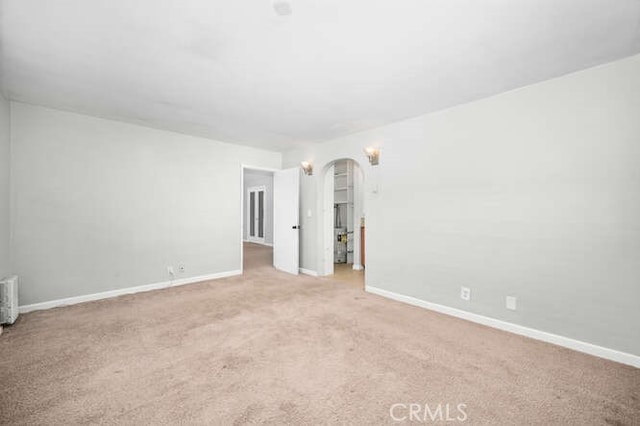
(257, 218)
(269, 234)
(344, 222)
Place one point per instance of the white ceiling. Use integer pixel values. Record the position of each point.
(235, 71)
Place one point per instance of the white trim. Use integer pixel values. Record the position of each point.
(327, 222)
(308, 272)
(357, 267)
(242, 215)
(576, 345)
(262, 169)
(119, 292)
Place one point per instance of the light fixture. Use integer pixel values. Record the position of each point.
(373, 154)
(307, 167)
(282, 7)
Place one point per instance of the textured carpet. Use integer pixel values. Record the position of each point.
(267, 347)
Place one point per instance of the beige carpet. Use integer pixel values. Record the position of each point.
(272, 348)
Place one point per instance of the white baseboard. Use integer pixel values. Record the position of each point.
(576, 345)
(119, 292)
(308, 272)
(357, 267)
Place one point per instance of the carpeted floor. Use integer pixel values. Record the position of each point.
(267, 347)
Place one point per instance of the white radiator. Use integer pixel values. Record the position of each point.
(9, 300)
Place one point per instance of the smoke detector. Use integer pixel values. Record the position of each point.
(282, 7)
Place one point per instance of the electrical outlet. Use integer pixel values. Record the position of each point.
(511, 303)
(465, 293)
(181, 269)
(170, 270)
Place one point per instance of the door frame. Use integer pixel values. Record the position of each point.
(264, 209)
(243, 167)
(326, 237)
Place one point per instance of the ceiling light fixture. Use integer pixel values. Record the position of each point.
(282, 7)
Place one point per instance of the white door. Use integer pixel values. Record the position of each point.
(286, 184)
(255, 214)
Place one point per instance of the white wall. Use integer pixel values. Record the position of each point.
(254, 178)
(101, 205)
(5, 155)
(533, 193)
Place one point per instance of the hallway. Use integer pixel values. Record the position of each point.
(344, 273)
(256, 256)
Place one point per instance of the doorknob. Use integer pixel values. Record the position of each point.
(295, 227)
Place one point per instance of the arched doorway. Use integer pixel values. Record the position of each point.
(343, 213)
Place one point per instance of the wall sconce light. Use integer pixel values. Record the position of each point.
(307, 167)
(373, 154)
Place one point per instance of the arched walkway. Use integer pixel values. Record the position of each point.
(342, 192)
